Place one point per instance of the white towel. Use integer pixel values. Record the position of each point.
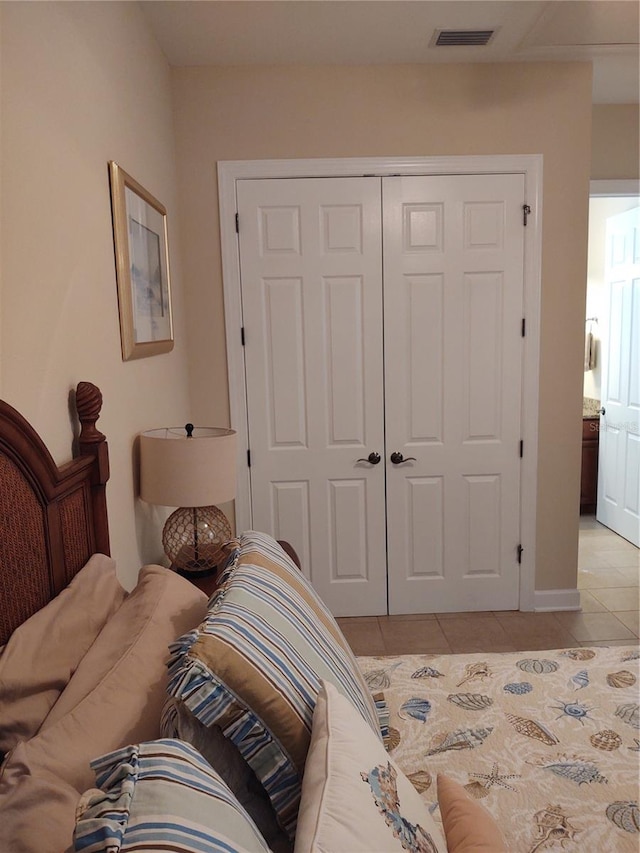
(589, 352)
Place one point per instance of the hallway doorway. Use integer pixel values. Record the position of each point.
(605, 338)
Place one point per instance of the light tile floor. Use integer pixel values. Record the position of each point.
(608, 579)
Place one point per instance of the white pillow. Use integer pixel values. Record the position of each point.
(355, 798)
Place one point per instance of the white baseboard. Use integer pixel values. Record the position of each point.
(556, 599)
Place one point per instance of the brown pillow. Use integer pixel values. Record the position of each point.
(130, 656)
(468, 826)
(114, 698)
(160, 608)
(38, 809)
(43, 653)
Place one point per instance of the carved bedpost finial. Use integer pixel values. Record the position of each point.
(88, 406)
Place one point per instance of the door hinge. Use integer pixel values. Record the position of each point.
(524, 327)
(248, 458)
(526, 210)
(520, 550)
(521, 448)
(242, 338)
(238, 223)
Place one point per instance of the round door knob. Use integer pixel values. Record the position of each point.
(397, 458)
(373, 458)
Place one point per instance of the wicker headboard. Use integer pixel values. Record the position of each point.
(52, 519)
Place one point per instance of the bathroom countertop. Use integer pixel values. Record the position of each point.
(590, 407)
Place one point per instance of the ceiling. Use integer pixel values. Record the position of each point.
(364, 32)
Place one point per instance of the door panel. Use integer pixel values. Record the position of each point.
(312, 304)
(453, 290)
(618, 505)
(448, 393)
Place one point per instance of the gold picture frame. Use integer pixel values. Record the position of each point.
(142, 267)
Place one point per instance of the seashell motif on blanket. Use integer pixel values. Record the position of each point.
(421, 780)
(573, 767)
(460, 739)
(392, 740)
(537, 666)
(579, 680)
(532, 729)
(607, 740)
(427, 672)
(552, 825)
(578, 654)
(573, 710)
(624, 678)
(470, 701)
(415, 709)
(634, 655)
(473, 671)
(477, 790)
(380, 679)
(625, 815)
(629, 713)
(518, 688)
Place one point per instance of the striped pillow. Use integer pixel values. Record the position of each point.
(162, 795)
(254, 667)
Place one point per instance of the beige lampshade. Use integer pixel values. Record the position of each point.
(188, 472)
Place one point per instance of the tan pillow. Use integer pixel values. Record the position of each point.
(355, 798)
(468, 826)
(38, 809)
(42, 654)
(125, 704)
(160, 608)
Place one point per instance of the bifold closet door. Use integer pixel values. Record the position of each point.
(453, 293)
(311, 271)
(333, 270)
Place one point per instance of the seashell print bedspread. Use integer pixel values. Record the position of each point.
(547, 741)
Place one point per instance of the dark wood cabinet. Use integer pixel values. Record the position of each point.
(589, 478)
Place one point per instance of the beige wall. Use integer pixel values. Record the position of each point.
(83, 83)
(615, 142)
(279, 112)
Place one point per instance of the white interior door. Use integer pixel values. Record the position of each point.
(310, 253)
(318, 395)
(618, 505)
(453, 285)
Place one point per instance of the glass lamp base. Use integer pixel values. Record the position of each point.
(193, 539)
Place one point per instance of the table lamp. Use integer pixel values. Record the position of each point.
(191, 468)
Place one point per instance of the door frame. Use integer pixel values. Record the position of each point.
(529, 165)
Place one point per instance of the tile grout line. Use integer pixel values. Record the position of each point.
(512, 639)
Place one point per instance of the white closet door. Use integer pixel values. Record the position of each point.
(453, 294)
(311, 270)
(619, 447)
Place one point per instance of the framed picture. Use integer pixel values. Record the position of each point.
(142, 267)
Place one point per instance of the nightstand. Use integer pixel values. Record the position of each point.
(208, 581)
(207, 584)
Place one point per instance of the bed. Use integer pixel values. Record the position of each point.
(110, 701)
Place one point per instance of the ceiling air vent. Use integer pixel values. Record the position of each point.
(463, 38)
